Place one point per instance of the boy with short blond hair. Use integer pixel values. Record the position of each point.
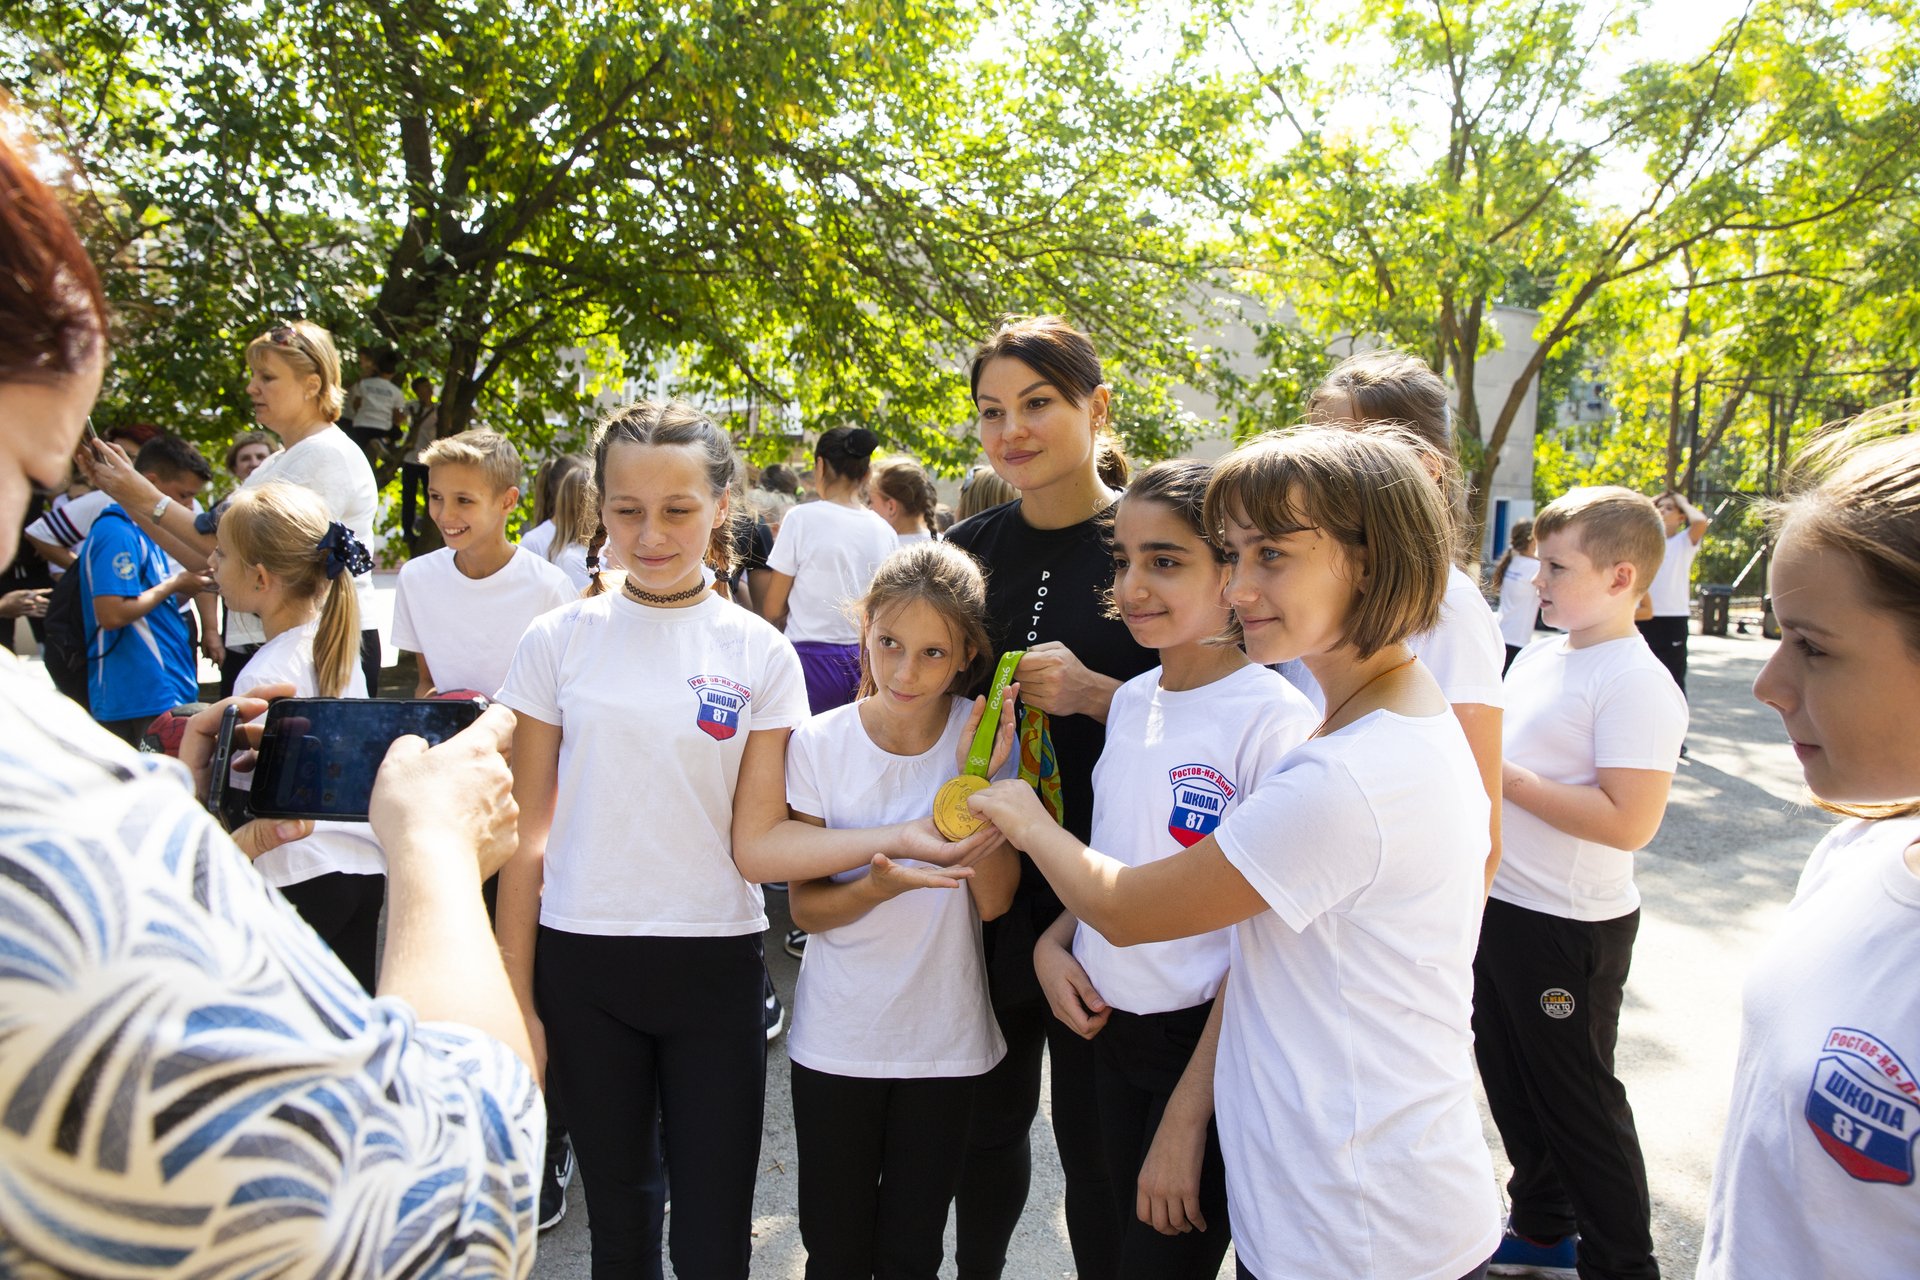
(1591, 739)
(463, 608)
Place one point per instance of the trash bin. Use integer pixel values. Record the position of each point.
(1716, 602)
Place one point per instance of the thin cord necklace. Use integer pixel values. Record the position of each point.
(1398, 666)
(647, 597)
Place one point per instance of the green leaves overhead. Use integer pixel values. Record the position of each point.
(807, 212)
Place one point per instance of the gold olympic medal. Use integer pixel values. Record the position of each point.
(950, 812)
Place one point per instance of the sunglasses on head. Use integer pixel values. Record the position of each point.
(286, 334)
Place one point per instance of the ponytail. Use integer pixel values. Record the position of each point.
(596, 545)
(336, 642)
(1522, 533)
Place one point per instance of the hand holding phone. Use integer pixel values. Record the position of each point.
(319, 756)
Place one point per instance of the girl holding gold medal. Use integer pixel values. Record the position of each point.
(891, 1022)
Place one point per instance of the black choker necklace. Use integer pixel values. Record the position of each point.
(647, 597)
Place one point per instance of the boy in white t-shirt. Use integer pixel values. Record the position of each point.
(463, 608)
(1591, 738)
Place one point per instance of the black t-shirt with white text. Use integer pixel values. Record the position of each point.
(1052, 584)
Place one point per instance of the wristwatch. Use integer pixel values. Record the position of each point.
(160, 508)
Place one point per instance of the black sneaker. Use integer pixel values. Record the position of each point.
(797, 943)
(776, 1013)
(553, 1186)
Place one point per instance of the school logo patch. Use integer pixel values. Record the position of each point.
(721, 701)
(1556, 1002)
(1864, 1107)
(124, 566)
(1200, 796)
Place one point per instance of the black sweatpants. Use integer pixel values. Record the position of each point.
(370, 660)
(879, 1163)
(646, 1034)
(1137, 1061)
(1546, 1016)
(1667, 637)
(1478, 1273)
(999, 1164)
(344, 910)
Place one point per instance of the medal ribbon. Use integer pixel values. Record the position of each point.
(980, 754)
(1039, 767)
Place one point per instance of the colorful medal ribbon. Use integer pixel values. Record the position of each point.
(1039, 767)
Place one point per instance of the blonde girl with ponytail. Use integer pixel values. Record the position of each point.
(278, 555)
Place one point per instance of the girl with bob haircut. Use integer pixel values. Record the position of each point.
(279, 557)
(900, 492)
(1815, 1166)
(891, 1024)
(1352, 878)
(1043, 408)
(1397, 392)
(649, 767)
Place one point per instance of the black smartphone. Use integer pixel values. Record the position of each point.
(318, 756)
(225, 803)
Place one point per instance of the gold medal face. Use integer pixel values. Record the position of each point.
(950, 812)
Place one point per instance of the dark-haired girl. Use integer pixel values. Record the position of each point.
(821, 562)
(1043, 402)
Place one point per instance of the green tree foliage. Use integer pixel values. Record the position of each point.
(800, 211)
(1794, 130)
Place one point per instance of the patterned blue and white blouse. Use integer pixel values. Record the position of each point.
(190, 1083)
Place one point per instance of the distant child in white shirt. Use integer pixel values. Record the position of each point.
(1816, 1171)
(1593, 732)
(1351, 877)
(892, 1025)
(1186, 743)
(278, 556)
(1514, 576)
(462, 609)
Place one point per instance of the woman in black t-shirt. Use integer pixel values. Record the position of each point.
(1042, 403)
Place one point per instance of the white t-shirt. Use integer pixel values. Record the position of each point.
(1345, 1082)
(1672, 585)
(331, 465)
(1570, 713)
(1175, 763)
(900, 993)
(1816, 1168)
(654, 708)
(468, 628)
(371, 402)
(1519, 600)
(908, 539)
(333, 846)
(1465, 652)
(830, 552)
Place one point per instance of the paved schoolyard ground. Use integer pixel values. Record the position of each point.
(1713, 884)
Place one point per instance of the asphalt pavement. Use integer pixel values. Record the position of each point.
(1713, 884)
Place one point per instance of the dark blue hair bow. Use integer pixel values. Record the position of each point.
(344, 551)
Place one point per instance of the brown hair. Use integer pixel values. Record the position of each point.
(1049, 346)
(246, 438)
(1614, 525)
(574, 514)
(1393, 387)
(307, 349)
(1110, 461)
(546, 482)
(949, 581)
(491, 453)
(1855, 488)
(907, 483)
(665, 422)
(278, 527)
(53, 317)
(847, 451)
(983, 488)
(1180, 485)
(1367, 491)
(1519, 542)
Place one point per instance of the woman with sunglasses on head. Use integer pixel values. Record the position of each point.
(295, 389)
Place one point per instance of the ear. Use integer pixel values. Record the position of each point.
(722, 507)
(312, 386)
(1100, 406)
(1624, 580)
(1360, 564)
(511, 498)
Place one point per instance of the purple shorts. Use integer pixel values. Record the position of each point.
(832, 671)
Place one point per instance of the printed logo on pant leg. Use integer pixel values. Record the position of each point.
(721, 700)
(1556, 1002)
(1864, 1107)
(1200, 795)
